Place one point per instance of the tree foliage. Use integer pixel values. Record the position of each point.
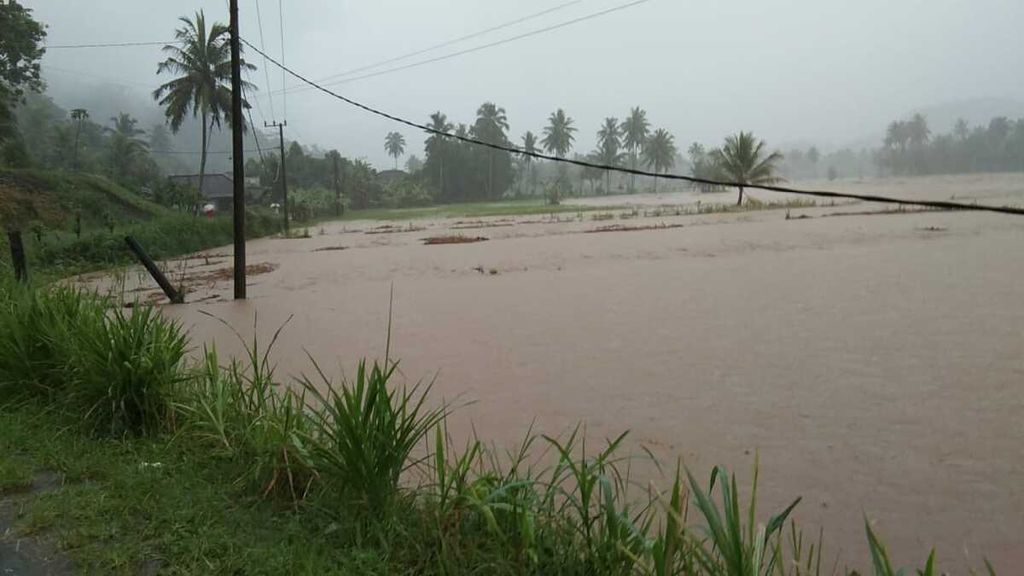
(910, 147)
(745, 160)
(201, 59)
(20, 52)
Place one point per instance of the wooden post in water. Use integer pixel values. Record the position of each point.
(173, 295)
(18, 256)
(237, 153)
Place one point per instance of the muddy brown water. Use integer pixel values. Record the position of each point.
(875, 363)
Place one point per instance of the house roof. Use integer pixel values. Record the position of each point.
(214, 185)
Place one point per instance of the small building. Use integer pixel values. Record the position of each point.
(218, 189)
(388, 178)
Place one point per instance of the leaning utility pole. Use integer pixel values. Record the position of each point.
(237, 153)
(284, 172)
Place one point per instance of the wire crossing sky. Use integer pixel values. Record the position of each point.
(942, 205)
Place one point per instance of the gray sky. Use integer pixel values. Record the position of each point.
(794, 71)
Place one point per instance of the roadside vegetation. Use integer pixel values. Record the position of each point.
(74, 223)
(221, 466)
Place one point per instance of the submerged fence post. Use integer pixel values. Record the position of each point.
(18, 256)
(173, 295)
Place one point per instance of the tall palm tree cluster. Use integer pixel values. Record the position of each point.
(459, 171)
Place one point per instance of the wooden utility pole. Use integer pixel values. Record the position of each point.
(237, 153)
(339, 209)
(284, 171)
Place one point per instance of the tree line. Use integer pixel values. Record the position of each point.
(910, 147)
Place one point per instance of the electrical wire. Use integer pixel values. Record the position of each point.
(107, 45)
(937, 204)
(266, 69)
(447, 43)
(477, 48)
(284, 77)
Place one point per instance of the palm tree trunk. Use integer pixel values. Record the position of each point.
(632, 177)
(740, 201)
(490, 175)
(442, 178)
(78, 132)
(202, 159)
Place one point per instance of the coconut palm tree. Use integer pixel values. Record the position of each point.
(609, 145)
(530, 147)
(201, 58)
(491, 124)
(917, 130)
(635, 129)
(660, 152)
(125, 144)
(436, 146)
(558, 134)
(961, 129)
(394, 143)
(744, 160)
(79, 115)
(558, 139)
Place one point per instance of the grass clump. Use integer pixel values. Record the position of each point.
(365, 432)
(126, 370)
(63, 346)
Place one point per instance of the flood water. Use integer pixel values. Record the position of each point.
(874, 362)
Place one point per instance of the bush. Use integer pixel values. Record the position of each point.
(364, 434)
(38, 332)
(125, 370)
(116, 369)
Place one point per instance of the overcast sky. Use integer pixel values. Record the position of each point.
(829, 72)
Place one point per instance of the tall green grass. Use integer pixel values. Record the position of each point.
(67, 347)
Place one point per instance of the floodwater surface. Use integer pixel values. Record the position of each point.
(873, 362)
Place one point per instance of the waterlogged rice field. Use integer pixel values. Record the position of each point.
(873, 360)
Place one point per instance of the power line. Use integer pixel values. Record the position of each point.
(938, 204)
(478, 48)
(266, 69)
(284, 78)
(447, 43)
(107, 45)
(191, 152)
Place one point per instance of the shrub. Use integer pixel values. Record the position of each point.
(38, 332)
(364, 433)
(125, 370)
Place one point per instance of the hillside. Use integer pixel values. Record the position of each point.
(54, 198)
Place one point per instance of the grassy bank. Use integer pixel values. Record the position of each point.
(216, 467)
(73, 223)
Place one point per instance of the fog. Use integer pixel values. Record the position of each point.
(795, 72)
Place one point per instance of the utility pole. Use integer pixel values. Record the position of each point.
(237, 153)
(284, 172)
(339, 209)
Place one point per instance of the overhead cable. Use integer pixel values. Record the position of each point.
(938, 204)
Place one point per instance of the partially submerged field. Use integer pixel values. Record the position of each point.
(871, 358)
